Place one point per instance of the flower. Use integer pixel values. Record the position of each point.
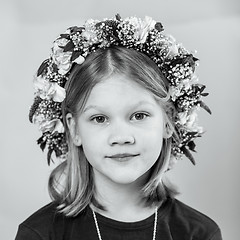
(172, 47)
(175, 92)
(90, 36)
(52, 126)
(175, 62)
(90, 24)
(189, 121)
(79, 60)
(38, 119)
(142, 28)
(49, 90)
(60, 58)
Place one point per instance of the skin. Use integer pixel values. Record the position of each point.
(121, 130)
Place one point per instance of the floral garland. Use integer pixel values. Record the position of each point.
(72, 47)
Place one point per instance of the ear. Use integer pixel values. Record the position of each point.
(71, 123)
(167, 131)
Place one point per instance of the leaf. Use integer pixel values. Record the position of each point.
(202, 88)
(192, 146)
(34, 107)
(43, 145)
(58, 152)
(177, 60)
(188, 155)
(76, 29)
(204, 94)
(65, 35)
(40, 140)
(118, 17)
(195, 59)
(42, 67)
(49, 156)
(69, 47)
(75, 55)
(159, 27)
(55, 67)
(55, 134)
(205, 107)
(192, 134)
(98, 24)
(189, 59)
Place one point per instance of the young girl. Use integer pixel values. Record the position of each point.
(117, 101)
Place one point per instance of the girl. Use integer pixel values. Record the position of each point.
(117, 102)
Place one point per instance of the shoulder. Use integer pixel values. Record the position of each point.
(40, 224)
(44, 214)
(192, 222)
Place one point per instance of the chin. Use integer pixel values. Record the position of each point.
(126, 178)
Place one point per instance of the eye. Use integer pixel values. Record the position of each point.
(99, 119)
(139, 116)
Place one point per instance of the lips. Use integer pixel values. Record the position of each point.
(122, 157)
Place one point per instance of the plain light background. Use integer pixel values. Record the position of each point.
(212, 27)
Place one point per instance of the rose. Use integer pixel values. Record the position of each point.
(54, 125)
(90, 33)
(90, 30)
(90, 38)
(192, 123)
(60, 58)
(49, 90)
(46, 125)
(189, 120)
(38, 119)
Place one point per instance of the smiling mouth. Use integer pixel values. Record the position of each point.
(123, 157)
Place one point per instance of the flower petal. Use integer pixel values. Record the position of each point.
(79, 60)
(59, 127)
(59, 93)
(38, 119)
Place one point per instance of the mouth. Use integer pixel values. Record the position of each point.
(123, 157)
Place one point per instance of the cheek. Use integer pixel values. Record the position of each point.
(152, 141)
(92, 145)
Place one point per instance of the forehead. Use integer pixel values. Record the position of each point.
(120, 88)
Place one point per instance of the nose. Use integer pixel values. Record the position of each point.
(121, 139)
(121, 135)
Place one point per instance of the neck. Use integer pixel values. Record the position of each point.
(121, 201)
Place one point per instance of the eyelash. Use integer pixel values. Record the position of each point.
(143, 115)
(98, 116)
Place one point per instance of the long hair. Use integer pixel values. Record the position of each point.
(71, 184)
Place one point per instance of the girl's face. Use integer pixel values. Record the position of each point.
(120, 130)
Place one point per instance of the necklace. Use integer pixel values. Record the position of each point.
(154, 227)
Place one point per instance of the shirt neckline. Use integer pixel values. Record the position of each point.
(145, 223)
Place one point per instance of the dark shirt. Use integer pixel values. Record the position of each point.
(176, 221)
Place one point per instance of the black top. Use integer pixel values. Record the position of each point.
(176, 221)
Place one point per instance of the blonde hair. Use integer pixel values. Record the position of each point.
(71, 184)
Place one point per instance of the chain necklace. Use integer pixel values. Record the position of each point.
(154, 227)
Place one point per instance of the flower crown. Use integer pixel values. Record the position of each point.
(72, 47)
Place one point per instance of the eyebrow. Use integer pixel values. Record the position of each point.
(90, 107)
(134, 106)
